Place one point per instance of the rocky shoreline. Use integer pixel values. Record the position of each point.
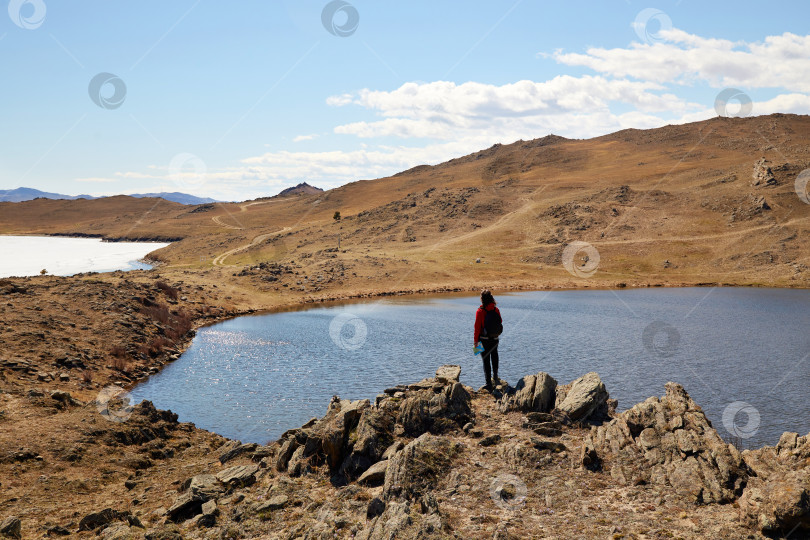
(431, 459)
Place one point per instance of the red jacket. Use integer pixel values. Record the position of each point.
(479, 319)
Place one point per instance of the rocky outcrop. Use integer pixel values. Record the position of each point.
(199, 490)
(585, 397)
(668, 441)
(777, 500)
(412, 471)
(355, 435)
(434, 407)
(532, 393)
(763, 175)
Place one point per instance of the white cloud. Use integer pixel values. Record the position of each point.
(681, 58)
(573, 106)
(300, 138)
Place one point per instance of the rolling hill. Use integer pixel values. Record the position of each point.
(685, 204)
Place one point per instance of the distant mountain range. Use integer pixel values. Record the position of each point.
(22, 194)
(26, 194)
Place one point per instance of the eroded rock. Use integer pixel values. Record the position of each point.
(668, 441)
(585, 397)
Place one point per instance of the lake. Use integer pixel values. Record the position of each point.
(741, 353)
(61, 256)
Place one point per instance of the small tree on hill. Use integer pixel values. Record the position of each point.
(336, 216)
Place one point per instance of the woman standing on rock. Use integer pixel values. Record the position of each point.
(488, 328)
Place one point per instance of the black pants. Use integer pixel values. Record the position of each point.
(490, 355)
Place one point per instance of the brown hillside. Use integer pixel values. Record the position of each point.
(673, 205)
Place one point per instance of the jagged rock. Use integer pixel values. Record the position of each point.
(99, 519)
(448, 374)
(11, 527)
(417, 466)
(288, 448)
(668, 441)
(236, 451)
(373, 435)
(240, 475)
(777, 499)
(533, 393)
(585, 396)
(201, 489)
(391, 524)
(205, 487)
(433, 411)
(778, 505)
(374, 475)
(763, 175)
(332, 430)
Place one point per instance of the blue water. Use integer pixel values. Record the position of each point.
(733, 349)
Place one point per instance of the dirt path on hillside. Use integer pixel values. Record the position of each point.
(218, 221)
(219, 260)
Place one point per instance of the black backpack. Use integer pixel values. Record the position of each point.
(493, 324)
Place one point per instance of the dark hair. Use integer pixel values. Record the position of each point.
(486, 297)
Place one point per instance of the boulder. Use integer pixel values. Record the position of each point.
(448, 374)
(236, 451)
(780, 505)
(417, 467)
(238, 476)
(374, 475)
(585, 397)
(205, 487)
(373, 435)
(668, 441)
(99, 519)
(533, 393)
(776, 499)
(201, 489)
(428, 410)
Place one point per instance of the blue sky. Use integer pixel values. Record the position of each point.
(242, 100)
